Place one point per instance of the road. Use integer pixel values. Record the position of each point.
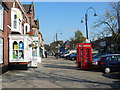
(59, 73)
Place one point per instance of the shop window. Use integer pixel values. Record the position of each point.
(18, 50)
(21, 45)
(1, 50)
(1, 17)
(15, 45)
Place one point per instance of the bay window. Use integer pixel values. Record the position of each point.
(16, 20)
(18, 50)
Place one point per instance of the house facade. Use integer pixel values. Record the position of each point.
(19, 35)
(38, 40)
(4, 32)
(18, 40)
(106, 45)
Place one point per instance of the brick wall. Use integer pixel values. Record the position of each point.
(4, 35)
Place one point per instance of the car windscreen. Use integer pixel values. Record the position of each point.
(118, 57)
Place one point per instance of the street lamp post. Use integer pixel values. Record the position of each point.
(86, 20)
(57, 42)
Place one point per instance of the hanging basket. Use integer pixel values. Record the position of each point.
(29, 33)
(33, 46)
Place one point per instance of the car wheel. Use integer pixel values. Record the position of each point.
(107, 70)
(67, 57)
(72, 58)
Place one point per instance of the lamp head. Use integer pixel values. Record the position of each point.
(81, 21)
(95, 14)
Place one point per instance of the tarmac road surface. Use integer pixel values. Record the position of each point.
(59, 73)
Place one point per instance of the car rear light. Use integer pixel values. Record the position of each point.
(100, 61)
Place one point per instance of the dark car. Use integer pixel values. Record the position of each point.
(109, 63)
(73, 56)
(95, 59)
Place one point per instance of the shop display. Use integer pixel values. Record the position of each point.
(18, 50)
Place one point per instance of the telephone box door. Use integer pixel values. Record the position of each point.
(87, 56)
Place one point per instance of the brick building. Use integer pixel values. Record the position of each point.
(16, 25)
(35, 29)
(4, 32)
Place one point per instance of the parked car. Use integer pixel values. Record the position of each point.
(72, 56)
(67, 54)
(62, 55)
(109, 63)
(95, 59)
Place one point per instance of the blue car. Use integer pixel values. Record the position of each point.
(109, 63)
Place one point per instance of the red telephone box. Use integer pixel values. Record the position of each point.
(84, 55)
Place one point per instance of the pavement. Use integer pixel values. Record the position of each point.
(59, 73)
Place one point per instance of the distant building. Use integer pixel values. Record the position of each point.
(106, 45)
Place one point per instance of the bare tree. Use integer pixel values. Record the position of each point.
(110, 22)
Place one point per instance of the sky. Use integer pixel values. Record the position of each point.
(65, 17)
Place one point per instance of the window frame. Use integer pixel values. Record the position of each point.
(15, 21)
(115, 58)
(118, 58)
(109, 58)
(28, 28)
(2, 24)
(2, 51)
(16, 11)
